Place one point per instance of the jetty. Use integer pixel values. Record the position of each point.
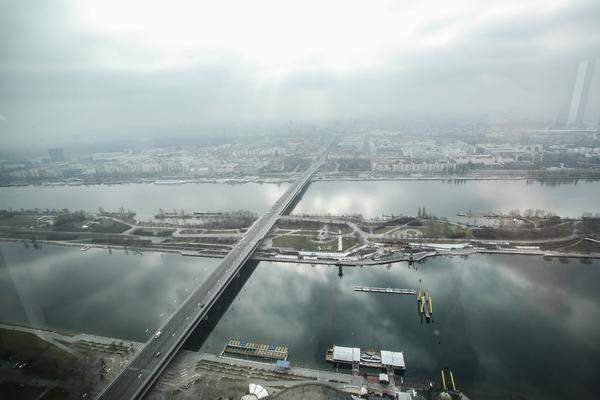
(392, 362)
(254, 351)
(425, 304)
(383, 290)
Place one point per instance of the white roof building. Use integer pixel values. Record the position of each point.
(393, 359)
(347, 354)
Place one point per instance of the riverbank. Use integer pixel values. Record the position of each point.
(500, 177)
(190, 374)
(281, 294)
(409, 257)
(496, 176)
(74, 365)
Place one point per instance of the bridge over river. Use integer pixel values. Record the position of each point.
(135, 380)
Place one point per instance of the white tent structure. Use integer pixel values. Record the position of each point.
(257, 390)
(346, 354)
(393, 359)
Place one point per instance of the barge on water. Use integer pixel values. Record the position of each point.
(383, 290)
(425, 304)
(254, 351)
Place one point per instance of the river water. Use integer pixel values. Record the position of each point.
(370, 198)
(118, 295)
(145, 199)
(507, 325)
(504, 324)
(446, 198)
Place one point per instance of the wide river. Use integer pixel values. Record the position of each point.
(507, 325)
(369, 198)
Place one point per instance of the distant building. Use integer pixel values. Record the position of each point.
(581, 89)
(56, 154)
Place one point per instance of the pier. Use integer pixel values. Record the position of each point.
(254, 351)
(384, 290)
(355, 357)
(425, 304)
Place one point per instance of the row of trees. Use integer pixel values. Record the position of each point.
(532, 213)
(541, 213)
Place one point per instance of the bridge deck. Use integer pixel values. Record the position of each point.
(146, 367)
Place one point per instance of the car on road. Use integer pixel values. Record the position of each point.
(157, 334)
(158, 353)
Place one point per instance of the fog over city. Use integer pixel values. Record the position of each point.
(84, 70)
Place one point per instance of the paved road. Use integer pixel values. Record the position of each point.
(141, 373)
(362, 235)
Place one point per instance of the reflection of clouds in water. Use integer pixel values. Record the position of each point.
(272, 299)
(372, 198)
(488, 313)
(146, 199)
(118, 295)
(310, 309)
(581, 324)
(337, 203)
(535, 302)
(495, 316)
(506, 196)
(547, 294)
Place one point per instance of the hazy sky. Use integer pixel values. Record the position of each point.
(83, 69)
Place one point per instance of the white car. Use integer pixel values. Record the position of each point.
(157, 334)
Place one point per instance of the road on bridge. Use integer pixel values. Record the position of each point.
(146, 367)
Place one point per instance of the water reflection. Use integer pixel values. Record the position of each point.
(145, 199)
(220, 307)
(374, 198)
(116, 295)
(506, 325)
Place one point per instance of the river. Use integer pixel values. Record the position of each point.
(145, 199)
(118, 295)
(505, 324)
(369, 198)
(446, 198)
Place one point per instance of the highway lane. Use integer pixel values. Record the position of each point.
(145, 368)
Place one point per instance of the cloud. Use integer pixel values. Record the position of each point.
(77, 69)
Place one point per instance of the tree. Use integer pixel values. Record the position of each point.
(514, 213)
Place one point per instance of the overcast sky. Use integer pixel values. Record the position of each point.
(83, 69)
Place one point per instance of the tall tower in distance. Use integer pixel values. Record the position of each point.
(581, 89)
